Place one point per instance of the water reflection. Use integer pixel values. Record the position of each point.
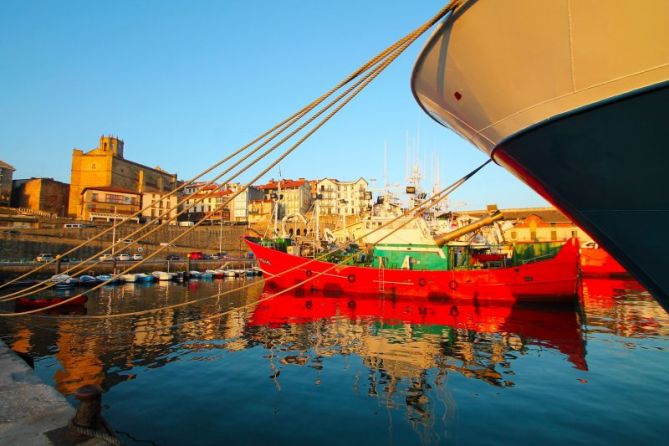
(407, 347)
(624, 308)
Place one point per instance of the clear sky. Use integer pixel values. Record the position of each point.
(183, 83)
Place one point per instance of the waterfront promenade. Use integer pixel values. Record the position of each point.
(31, 412)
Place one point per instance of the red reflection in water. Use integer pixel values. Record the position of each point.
(603, 293)
(557, 326)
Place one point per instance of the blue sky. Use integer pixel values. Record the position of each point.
(184, 83)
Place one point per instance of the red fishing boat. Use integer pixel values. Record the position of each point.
(597, 262)
(434, 273)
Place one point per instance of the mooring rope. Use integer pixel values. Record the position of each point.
(392, 55)
(286, 123)
(353, 90)
(393, 52)
(416, 211)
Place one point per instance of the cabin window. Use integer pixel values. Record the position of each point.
(513, 235)
(573, 233)
(553, 235)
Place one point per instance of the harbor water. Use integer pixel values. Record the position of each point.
(241, 366)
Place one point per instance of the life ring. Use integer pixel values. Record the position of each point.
(351, 278)
(454, 311)
(422, 281)
(453, 285)
(308, 304)
(308, 273)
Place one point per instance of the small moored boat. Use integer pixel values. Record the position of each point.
(162, 275)
(45, 301)
(129, 278)
(87, 280)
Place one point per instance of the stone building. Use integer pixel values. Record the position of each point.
(544, 224)
(41, 194)
(106, 166)
(6, 173)
(159, 206)
(260, 212)
(239, 208)
(534, 228)
(109, 203)
(208, 200)
(343, 197)
(293, 196)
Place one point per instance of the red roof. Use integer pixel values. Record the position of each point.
(285, 184)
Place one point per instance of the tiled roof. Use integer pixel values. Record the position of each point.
(285, 184)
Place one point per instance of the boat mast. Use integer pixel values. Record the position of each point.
(318, 212)
(114, 233)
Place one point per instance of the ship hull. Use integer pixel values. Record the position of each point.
(569, 96)
(551, 280)
(605, 167)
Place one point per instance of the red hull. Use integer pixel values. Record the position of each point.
(597, 262)
(555, 279)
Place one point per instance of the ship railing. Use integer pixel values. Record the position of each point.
(537, 258)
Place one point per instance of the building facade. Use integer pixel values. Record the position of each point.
(239, 209)
(343, 197)
(292, 196)
(109, 204)
(6, 174)
(260, 212)
(159, 207)
(533, 228)
(208, 201)
(106, 166)
(41, 194)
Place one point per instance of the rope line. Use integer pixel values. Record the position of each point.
(355, 89)
(285, 123)
(417, 211)
(83, 266)
(386, 57)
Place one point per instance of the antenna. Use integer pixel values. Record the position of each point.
(408, 158)
(385, 164)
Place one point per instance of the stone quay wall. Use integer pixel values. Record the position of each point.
(27, 243)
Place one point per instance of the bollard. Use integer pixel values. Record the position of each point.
(58, 265)
(89, 412)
